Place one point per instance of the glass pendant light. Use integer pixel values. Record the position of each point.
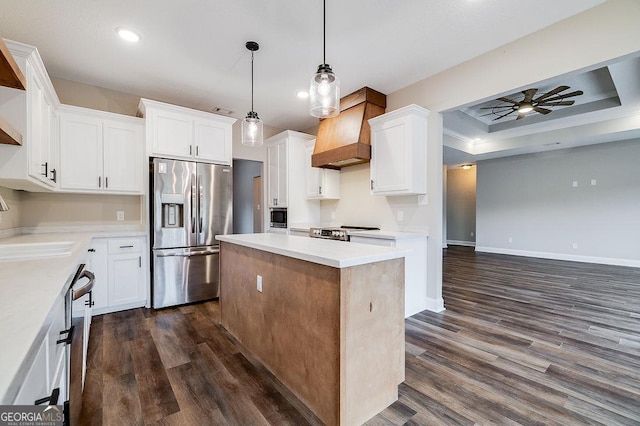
(324, 91)
(252, 125)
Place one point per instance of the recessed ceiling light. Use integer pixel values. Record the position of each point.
(127, 35)
(302, 94)
(478, 140)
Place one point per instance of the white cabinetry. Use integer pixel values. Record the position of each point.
(415, 263)
(119, 265)
(183, 133)
(100, 152)
(322, 184)
(278, 173)
(31, 112)
(48, 369)
(399, 152)
(286, 177)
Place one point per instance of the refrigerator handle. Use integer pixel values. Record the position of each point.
(194, 203)
(200, 195)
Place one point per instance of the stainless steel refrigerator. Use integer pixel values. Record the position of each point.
(191, 204)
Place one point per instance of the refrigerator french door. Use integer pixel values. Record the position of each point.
(191, 204)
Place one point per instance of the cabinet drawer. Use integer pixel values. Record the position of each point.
(125, 245)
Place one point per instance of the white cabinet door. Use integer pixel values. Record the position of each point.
(398, 152)
(172, 134)
(122, 157)
(80, 153)
(276, 157)
(213, 141)
(126, 279)
(321, 184)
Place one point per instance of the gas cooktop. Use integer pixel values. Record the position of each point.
(338, 233)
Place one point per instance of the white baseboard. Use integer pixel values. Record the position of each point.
(562, 256)
(461, 243)
(435, 305)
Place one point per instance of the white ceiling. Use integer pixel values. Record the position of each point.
(192, 52)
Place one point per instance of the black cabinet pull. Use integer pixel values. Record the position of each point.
(53, 174)
(131, 246)
(46, 169)
(92, 250)
(51, 399)
(69, 338)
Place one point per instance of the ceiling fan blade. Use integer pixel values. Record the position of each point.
(508, 100)
(541, 110)
(497, 106)
(521, 115)
(528, 94)
(551, 93)
(567, 95)
(554, 103)
(503, 115)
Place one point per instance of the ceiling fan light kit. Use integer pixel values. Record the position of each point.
(252, 128)
(324, 91)
(541, 104)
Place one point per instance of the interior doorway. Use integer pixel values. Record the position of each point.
(247, 196)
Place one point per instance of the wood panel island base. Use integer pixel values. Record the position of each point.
(328, 323)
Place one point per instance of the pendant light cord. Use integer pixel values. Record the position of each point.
(324, 31)
(252, 81)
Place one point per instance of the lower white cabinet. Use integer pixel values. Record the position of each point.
(119, 265)
(415, 265)
(48, 369)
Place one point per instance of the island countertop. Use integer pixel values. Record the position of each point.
(337, 254)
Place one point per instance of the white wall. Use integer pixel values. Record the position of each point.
(531, 199)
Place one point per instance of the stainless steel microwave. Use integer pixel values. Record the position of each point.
(278, 218)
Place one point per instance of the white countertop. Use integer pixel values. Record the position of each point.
(337, 254)
(28, 290)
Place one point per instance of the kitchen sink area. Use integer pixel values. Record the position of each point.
(17, 251)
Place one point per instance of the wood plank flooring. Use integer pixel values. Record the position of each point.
(523, 341)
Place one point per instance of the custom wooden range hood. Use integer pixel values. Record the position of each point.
(345, 140)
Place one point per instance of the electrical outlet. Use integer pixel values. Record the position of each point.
(593, 182)
(471, 234)
(400, 215)
(575, 184)
(259, 283)
(120, 215)
(575, 246)
(510, 239)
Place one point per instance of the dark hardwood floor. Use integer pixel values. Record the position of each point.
(523, 341)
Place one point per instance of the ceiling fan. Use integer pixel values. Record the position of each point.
(541, 104)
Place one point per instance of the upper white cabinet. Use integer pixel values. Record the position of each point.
(278, 173)
(322, 184)
(286, 177)
(100, 152)
(399, 152)
(183, 133)
(31, 113)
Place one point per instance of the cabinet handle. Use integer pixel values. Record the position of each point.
(91, 250)
(89, 302)
(139, 261)
(320, 190)
(106, 182)
(46, 169)
(197, 150)
(51, 399)
(131, 246)
(69, 338)
(190, 150)
(53, 174)
(372, 184)
(99, 181)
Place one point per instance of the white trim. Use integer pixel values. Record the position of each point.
(461, 243)
(435, 305)
(562, 256)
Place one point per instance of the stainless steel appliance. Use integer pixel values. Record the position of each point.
(341, 233)
(278, 217)
(191, 204)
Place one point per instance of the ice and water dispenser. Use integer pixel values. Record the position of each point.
(172, 210)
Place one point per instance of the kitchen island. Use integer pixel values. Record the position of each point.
(325, 317)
